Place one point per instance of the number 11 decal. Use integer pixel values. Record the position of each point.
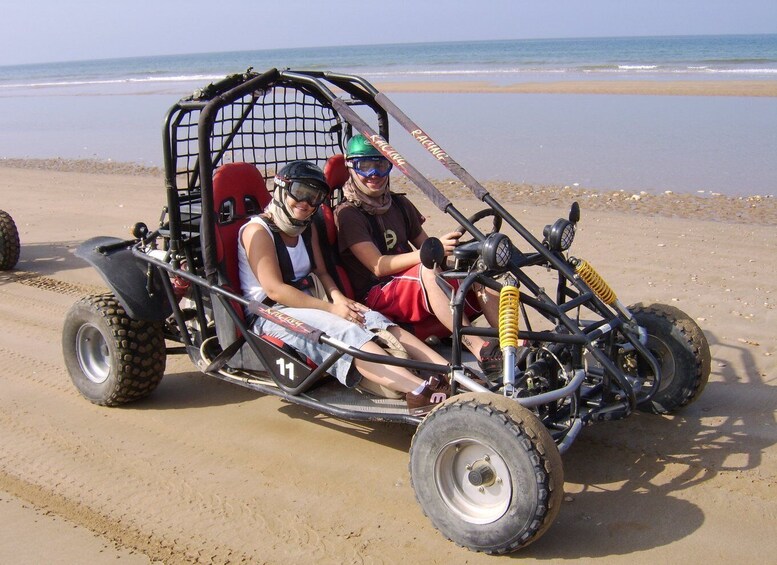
(286, 368)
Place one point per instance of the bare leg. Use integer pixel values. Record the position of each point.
(390, 376)
(416, 348)
(441, 308)
(489, 304)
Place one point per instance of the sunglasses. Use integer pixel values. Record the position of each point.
(371, 166)
(313, 195)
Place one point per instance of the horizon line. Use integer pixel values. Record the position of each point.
(163, 55)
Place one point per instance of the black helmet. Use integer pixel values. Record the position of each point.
(304, 182)
(302, 171)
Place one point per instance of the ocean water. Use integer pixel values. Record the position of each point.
(113, 108)
(721, 56)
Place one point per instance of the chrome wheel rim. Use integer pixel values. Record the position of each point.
(93, 353)
(473, 480)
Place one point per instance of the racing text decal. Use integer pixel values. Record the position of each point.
(286, 320)
(430, 145)
(383, 146)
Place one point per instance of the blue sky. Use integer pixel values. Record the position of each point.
(36, 31)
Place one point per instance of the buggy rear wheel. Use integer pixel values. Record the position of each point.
(112, 359)
(682, 352)
(9, 242)
(486, 472)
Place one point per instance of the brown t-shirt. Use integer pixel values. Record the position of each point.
(394, 228)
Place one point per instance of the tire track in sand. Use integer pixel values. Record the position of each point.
(79, 465)
(42, 282)
(84, 464)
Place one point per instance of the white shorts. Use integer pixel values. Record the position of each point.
(333, 326)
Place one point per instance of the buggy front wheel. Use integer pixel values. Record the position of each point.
(486, 472)
(112, 359)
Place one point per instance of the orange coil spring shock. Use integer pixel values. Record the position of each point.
(509, 299)
(586, 272)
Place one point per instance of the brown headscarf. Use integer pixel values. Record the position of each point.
(357, 193)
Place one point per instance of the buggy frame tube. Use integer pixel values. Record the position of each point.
(321, 337)
(430, 145)
(561, 266)
(314, 80)
(475, 187)
(307, 382)
(205, 130)
(323, 407)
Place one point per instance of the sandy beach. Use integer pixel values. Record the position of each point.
(206, 472)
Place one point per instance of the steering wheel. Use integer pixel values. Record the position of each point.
(476, 217)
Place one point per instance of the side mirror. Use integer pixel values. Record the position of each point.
(432, 253)
(574, 213)
(139, 230)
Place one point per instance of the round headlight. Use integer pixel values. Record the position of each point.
(560, 235)
(497, 251)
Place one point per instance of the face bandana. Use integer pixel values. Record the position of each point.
(281, 217)
(356, 192)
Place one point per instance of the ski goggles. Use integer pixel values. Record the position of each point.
(371, 166)
(313, 195)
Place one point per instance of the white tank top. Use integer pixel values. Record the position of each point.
(248, 282)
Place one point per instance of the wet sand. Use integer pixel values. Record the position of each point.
(656, 136)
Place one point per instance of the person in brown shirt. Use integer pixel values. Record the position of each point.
(379, 237)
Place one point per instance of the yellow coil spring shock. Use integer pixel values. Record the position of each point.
(586, 272)
(509, 299)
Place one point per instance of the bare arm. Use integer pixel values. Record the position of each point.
(260, 249)
(382, 265)
(342, 305)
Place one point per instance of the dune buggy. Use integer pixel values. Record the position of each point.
(486, 464)
(9, 242)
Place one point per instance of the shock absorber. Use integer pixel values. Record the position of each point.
(509, 300)
(598, 285)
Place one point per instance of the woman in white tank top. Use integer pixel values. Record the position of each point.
(300, 187)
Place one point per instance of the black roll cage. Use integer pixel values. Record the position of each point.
(198, 138)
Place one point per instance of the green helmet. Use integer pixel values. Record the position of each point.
(358, 146)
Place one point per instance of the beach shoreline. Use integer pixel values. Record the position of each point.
(606, 134)
(752, 209)
(477, 84)
(647, 87)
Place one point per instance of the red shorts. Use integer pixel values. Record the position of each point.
(404, 300)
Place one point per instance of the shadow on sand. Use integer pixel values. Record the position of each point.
(626, 477)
